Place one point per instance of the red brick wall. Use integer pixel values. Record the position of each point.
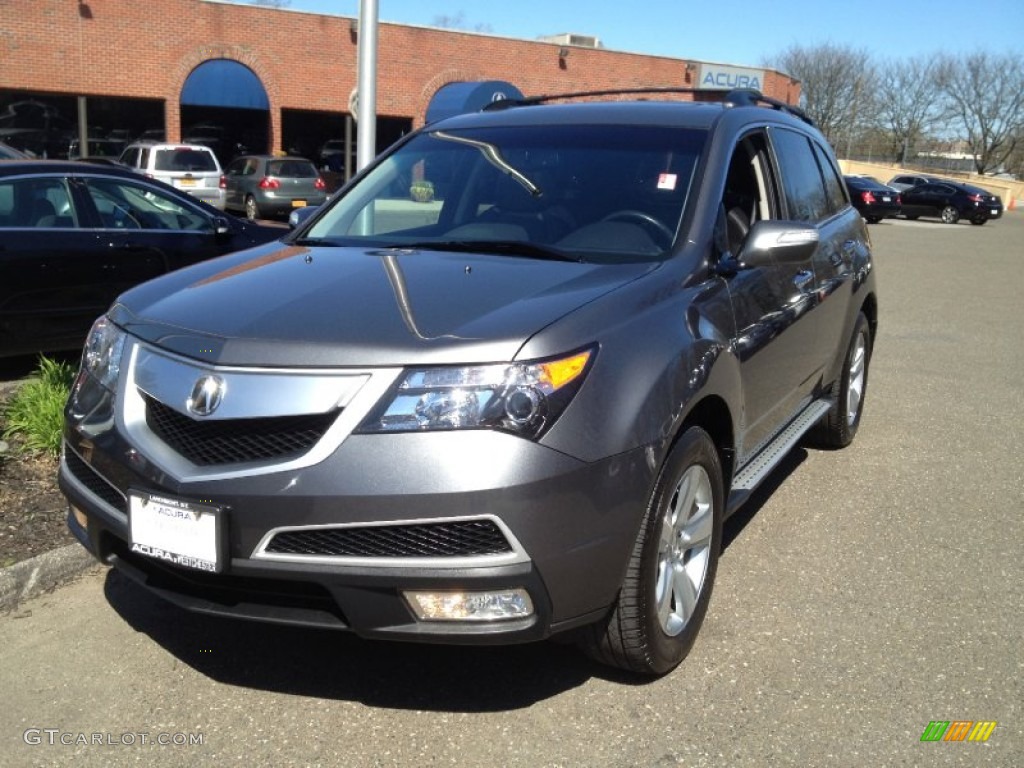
(306, 61)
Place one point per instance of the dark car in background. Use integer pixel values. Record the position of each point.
(520, 406)
(951, 201)
(73, 236)
(872, 198)
(265, 186)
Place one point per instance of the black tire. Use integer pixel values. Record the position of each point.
(839, 426)
(252, 211)
(673, 565)
(949, 215)
(978, 220)
(874, 219)
(911, 216)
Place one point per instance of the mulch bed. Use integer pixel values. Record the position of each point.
(32, 509)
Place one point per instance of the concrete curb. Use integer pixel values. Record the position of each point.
(41, 573)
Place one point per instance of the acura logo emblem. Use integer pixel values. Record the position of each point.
(207, 395)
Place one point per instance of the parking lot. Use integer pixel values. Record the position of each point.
(864, 594)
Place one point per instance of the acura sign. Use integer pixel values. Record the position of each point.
(717, 77)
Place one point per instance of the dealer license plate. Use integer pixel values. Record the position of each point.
(179, 532)
(298, 203)
(187, 182)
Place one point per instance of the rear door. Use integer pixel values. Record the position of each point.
(926, 199)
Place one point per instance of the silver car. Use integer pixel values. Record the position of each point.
(264, 186)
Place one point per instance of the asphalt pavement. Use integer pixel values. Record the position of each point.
(863, 595)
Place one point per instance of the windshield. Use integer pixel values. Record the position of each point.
(593, 193)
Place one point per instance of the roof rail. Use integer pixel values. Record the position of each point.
(530, 100)
(749, 97)
(740, 97)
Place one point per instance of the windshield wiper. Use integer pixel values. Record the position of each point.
(509, 247)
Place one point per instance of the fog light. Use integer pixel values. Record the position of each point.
(80, 517)
(470, 606)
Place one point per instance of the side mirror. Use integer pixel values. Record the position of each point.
(778, 242)
(299, 216)
(221, 226)
(767, 244)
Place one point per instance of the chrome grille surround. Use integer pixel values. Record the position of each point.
(250, 394)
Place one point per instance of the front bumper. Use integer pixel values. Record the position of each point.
(569, 526)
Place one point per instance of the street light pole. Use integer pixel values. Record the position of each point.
(366, 110)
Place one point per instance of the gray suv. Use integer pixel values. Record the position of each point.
(192, 168)
(506, 385)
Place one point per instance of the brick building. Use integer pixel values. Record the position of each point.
(269, 79)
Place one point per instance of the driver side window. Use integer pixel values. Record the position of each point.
(745, 200)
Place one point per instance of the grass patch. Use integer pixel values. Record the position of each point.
(35, 414)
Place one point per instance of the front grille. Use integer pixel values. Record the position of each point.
(464, 538)
(92, 480)
(230, 441)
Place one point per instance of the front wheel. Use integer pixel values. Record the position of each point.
(667, 587)
(978, 220)
(950, 215)
(838, 427)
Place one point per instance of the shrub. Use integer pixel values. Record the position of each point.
(35, 414)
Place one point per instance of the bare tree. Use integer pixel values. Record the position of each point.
(836, 84)
(458, 21)
(907, 107)
(985, 95)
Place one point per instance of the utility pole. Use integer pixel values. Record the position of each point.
(366, 136)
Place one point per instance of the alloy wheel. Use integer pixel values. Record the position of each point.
(684, 550)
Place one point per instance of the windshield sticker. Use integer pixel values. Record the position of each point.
(667, 181)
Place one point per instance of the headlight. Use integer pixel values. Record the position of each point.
(522, 398)
(102, 356)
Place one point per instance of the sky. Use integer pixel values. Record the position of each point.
(738, 32)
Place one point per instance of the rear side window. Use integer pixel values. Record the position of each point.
(833, 183)
(181, 159)
(36, 203)
(802, 183)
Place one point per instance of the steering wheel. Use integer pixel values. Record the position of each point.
(629, 214)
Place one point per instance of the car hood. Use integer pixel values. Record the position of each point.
(290, 305)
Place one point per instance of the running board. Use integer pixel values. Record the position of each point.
(758, 468)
